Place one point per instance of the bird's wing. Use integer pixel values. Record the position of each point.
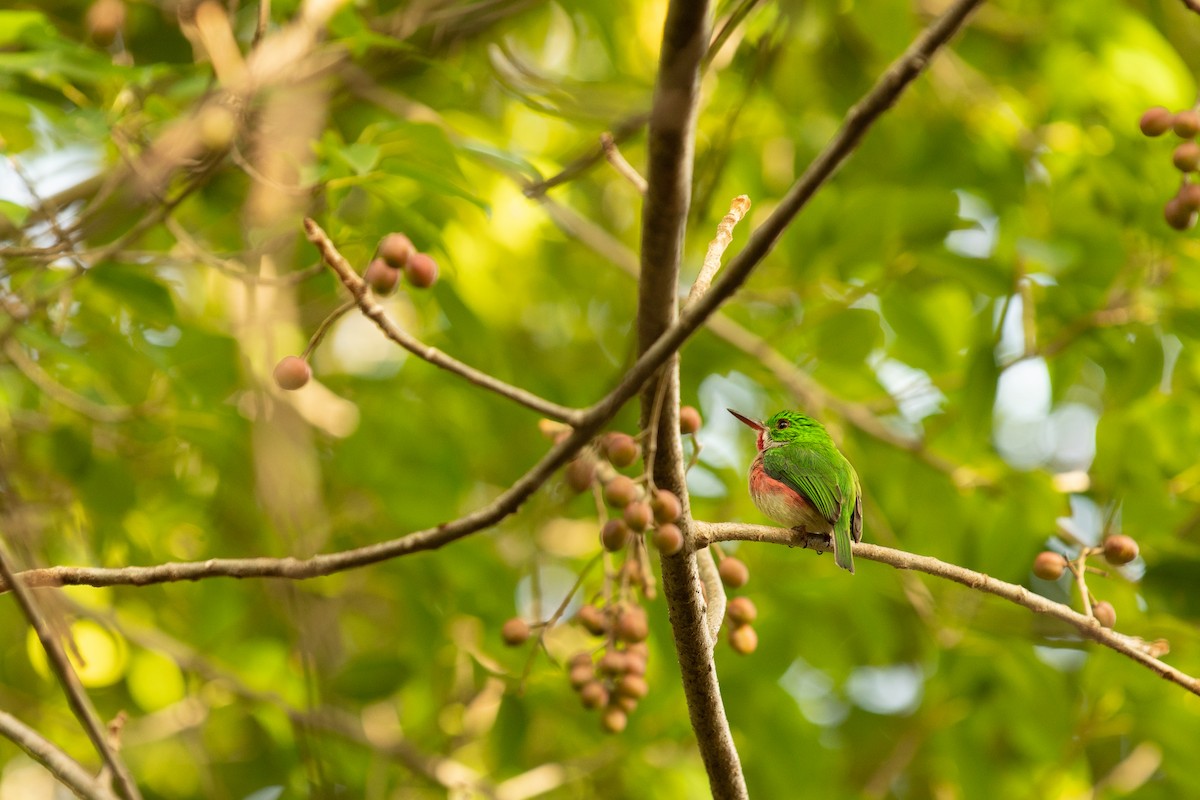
(856, 518)
(810, 473)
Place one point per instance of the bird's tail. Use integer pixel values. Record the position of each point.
(843, 554)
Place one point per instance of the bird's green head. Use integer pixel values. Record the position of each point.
(784, 427)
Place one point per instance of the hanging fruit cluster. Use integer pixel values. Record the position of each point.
(1181, 210)
(395, 256)
(1117, 549)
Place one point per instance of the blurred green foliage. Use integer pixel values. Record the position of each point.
(989, 278)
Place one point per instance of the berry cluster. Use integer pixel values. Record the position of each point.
(740, 612)
(1117, 550)
(1182, 209)
(616, 681)
(394, 256)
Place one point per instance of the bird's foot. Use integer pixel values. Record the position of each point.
(820, 542)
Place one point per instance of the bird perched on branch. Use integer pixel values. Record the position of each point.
(800, 479)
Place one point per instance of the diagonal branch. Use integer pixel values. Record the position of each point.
(375, 312)
(77, 697)
(1088, 627)
(65, 769)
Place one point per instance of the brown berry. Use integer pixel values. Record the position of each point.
(515, 632)
(1156, 121)
(625, 703)
(580, 473)
(292, 372)
(105, 19)
(592, 619)
(635, 663)
(396, 249)
(1049, 566)
(741, 611)
(632, 686)
(1105, 614)
(593, 694)
(381, 277)
(421, 270)
(1177, 215)
(638, 515)
(666, 506)
(1186, 157)
(1120, 549)
(1189, 196)
(581, 673)
(620, 449)
(743, 639)
(580, 657)
(668, 539)
(613, 662)
(733, 572)
(1186, 123)
(632, 625)
(615, 534)
(689, 420)
(614, 719)
(620, 491)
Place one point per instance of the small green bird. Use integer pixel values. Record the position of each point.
(800, 479)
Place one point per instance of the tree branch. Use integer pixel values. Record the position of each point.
(65, 769)
(77, 697)
(373, 311)
(1130, 646)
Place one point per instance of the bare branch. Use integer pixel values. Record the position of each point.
(77, 697)
(373, 311)
(717, 247)
(626, 170)
(65, 769)
(1130, 646)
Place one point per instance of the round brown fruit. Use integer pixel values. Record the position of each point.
(421, 270)
(381, 277)
(1177, 215)
(1186, 123)
(632, 686)
(580, 473)
(638, 515)
(396, 249)
(292, 372)
(1189, 196)
(733, 572)
(1105, 614)
(515, 632)
(1186, 157)
(593, 694)
(613, 662)
(105, 19)
(615, 534)
(625, 703)
(620, 449)
(668, 539)
(741, 611)
(614, 719)
(1156, 121)
(666, 506)
(689, 420)
(620, 491)
(592, 619)
(1049, 566)
(743, 639)
(1120, 549)
(632, 625)
(582, 673)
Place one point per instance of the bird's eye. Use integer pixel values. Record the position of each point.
(783, 423)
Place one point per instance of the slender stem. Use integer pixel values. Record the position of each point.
(65, 769)
(623, 167)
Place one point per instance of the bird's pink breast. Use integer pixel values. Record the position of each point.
(782, 503)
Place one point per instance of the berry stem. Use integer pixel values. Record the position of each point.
(326, 324)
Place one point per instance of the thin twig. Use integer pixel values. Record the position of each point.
(373, 311)
(623, 167)
(65, 769)
(77, 697)
(1131, 646)
(61, 394)
(323, 329)
(717, 247)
